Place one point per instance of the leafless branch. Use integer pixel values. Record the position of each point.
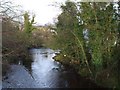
(8, 9)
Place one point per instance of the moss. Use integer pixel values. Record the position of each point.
(60, 58)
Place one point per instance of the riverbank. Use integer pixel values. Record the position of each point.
(44, 73)
(102, 80)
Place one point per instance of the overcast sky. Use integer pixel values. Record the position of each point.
(43, 9)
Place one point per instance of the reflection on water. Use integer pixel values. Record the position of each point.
(49, 73)
(44, 73)
(44, 69)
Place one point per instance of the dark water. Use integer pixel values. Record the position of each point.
(44, 73)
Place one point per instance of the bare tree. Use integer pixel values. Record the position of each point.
(10, 10)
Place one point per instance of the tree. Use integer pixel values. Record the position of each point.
(70, 36)
(67, 22)
(28, 24)
(88, 33)
(11, 11)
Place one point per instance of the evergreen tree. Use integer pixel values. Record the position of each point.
(88, 33)
(28, 24)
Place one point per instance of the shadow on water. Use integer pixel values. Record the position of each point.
(47, 73)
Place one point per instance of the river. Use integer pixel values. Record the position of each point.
(44, 72)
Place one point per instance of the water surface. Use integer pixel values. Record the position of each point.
(44, 72)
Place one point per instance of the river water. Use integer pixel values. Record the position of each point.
(44, 73)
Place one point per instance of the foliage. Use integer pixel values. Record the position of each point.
(87, 33)
(15, 43)
(102, 35)
(28, 24)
